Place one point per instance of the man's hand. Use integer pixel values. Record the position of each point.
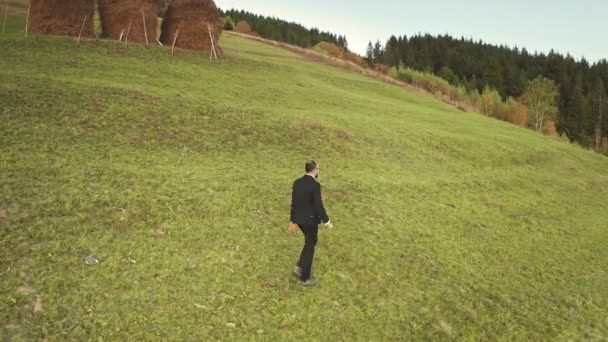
(293, 228)
(329, 225)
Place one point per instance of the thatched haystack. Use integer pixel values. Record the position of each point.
(116, 15)
(192, 18)
(62, 17)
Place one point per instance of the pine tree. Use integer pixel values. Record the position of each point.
(599, 102)
(378, 53)
(447, 74)
(578, 112)
(369, 54)
(392, 56)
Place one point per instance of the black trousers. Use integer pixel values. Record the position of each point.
(308, 252)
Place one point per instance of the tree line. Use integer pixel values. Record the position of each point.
(582, 98)
(284, 31)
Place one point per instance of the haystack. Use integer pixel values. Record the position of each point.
(116, 15)
(192, 18)
(62, 17)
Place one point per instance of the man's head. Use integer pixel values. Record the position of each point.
(312, 168)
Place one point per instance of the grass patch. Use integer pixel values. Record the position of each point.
(176, 174)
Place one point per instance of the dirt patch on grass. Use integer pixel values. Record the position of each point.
(336, 195)
(12, 214)
(308, 134)
(309, 124)
(5, 214)
(132, 96)
(304, 126)
(98, 101)
(598, 184)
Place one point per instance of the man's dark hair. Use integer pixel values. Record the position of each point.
(311, 165)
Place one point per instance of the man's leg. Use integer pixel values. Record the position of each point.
(308, 252)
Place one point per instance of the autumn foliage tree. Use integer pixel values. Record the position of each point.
(330, 49)
(549, 129)
(243, 27)
(491, 103)
(516, 113)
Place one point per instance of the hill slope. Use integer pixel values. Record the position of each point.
(176, 174)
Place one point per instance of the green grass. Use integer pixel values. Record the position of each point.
(176, 173)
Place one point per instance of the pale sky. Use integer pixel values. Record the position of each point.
(576, 27)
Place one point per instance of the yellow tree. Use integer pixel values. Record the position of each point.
(542, 101)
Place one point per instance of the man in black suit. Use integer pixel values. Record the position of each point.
(307, 212)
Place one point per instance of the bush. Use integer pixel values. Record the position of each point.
(516, 113)
(353, 57)
(329, 49)
(491, 103)
(549, 129)
(458, 94)
(381, 68)
(228, 23)
(394, 73)
(405, 77)
(333, 50)
(243, 27)
(427, 81)
(474, 98)
(447, 74)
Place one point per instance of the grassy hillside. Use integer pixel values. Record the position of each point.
(176, 174)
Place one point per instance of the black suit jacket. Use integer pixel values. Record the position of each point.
(306, 203)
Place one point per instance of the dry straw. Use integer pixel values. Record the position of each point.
(198, 22)
(61, 17)
(137, 17)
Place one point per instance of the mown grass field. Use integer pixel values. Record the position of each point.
(176, 173)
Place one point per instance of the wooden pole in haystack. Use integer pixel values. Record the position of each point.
(174, 40)
(211, 53)
(82, 28)
(128, 30)
(212, 44)
(5, 16)
(121, 34)
(143, 17)
(27, 19)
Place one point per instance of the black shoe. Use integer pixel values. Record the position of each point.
(309, 283)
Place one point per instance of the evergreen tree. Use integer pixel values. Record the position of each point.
(599, 104)
(369, 54)
(378, 53)
(392, 56)
(447, 74)
(283, 31)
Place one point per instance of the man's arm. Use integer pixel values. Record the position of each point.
(318, 202)
(291, 216)
(292, 226)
